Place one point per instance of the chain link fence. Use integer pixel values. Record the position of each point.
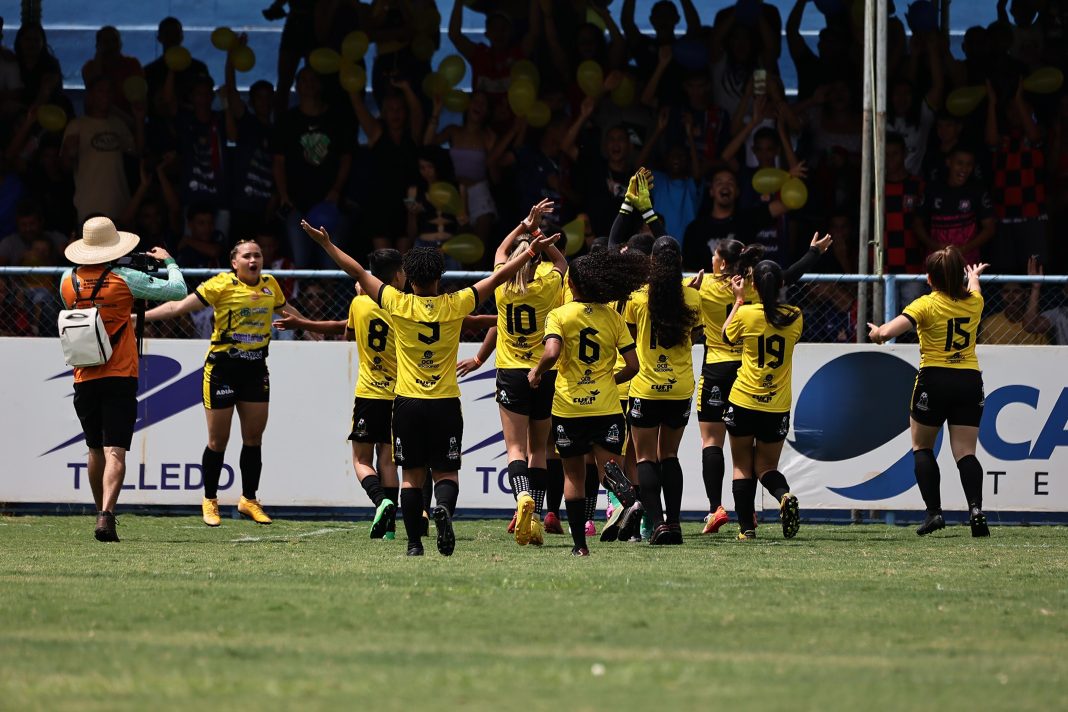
(833, 305)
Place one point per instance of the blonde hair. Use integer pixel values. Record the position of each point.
(518, 283)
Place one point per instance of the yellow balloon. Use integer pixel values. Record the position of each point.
(590, 78)
(423, 48)
(135, 89)
(453, 69)
(964, 101)
(1046, 80)
(465, 247)
(769, 180)
(353, 77)
(794, 194)
(457, 100)
(525, 69)
(51, 117)
(177, 58)
(444, 197)
(575, 232)
(623, 95)
(243, 58)
(355, 45)
(539, 114)
(521, 96)
(435, 85)
(324, 60)
(223, 38)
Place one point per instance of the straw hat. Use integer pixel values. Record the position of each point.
(100, 243)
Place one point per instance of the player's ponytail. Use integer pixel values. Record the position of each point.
(670, 318)
(738, 259)
(945, 269)
(608, 276)
(518, 283)
(767, 279)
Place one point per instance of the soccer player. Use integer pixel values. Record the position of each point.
(949, 386)
(757, 417)
(427, 420)
(235, 372)
(582, 338)
(664, 313)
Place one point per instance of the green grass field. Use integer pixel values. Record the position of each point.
(313, 615)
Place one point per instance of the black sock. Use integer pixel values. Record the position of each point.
(412, 511)
(392, 493)
(712, 473)
(517, 477)
(428, 493)
(446, 492)
(537, 487)
(372, 485)
(649, 480)
(775, 483)
(211, 463)
(929, 479)
(593, 485)
(251, 467)
(744, 502)
(554, 485)
(671, 481)
(971, 478)
(576, 522)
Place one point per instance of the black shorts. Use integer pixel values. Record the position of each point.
(577, 436)
(428, 432)
(764, 426)
(714, 388)
(107, 408)
(948, 394)
(515, 394)
(227, 381)
(372, 420)
(650, 413)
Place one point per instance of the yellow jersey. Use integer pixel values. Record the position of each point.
(947, 329)
(624, 387)
(764, 377)
(427, 338)
(590, 337)
(521, 319)
(375, 347)
(717, 299)
(243, 312)
(663, 373)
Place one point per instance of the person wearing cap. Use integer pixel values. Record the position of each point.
(105, 396)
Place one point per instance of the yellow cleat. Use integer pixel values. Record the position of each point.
(251, 508)
(537, 531)
(747, 535)
(524, 512)
(210, 510)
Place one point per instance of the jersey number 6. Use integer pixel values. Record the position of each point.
(589, 350)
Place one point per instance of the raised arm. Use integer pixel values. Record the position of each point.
(456, 33)
(934, 67)
(816, 248)
(662, 118)
(693, 19)
(527, 226)
(630, 28)
(368, 282)
(569, 146)
(368, 123)
(973, 272)
(484, 288)
(529, 42)
(795, 42)
(663, 61)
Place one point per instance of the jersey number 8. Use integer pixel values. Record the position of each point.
(377, 332)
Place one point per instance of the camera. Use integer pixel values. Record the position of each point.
(140, 261)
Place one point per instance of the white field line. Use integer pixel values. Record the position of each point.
(303, 535)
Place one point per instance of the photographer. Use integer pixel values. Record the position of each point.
(105, 396)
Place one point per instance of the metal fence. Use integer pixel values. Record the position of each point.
(833, 304)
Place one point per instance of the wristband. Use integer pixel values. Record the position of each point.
(477, 360)
(626, 207)
(531, 253)
(536, 233)
(649, 215)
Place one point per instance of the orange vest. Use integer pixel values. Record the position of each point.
(115, 303)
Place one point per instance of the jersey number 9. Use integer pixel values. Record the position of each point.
(589, 350)
(377, 332)
(773, 346)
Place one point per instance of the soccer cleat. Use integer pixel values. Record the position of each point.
(389, 536)
(415, 550)
(251, 508)
(383, 515)
(105, 527)
(446, 536)
(977, 520)
(660, 536)
(630, 523)
(717, 519)
(511, 525)
(524, 511)
(580, 551)
(646, 530)
(552, 524)
(610, 532)
(591, 528)
(617, 483)
(613, 504)
(209, 509)
(932, 523)
(676, 534)
(791, 516)
(747, 535)
(537, 531)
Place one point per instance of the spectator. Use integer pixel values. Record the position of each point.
(430, 226)
(676, 188)
(491, 64)
(201, 139)
(711, 125)
(602, 169)
(831, 308)
(10, 81)
(763, 111)
(94, 145)
(48, 180)
(738, 49)
(909, 114)
(298, 40)
(1006, 327)
(537, 171)
(394, 26)
(1051, 321)
(40, 288)
(29, 228)
(312, 158)
(956, 211)
(202, 245)
(39, 70)
(948, 131)
(816, 69)
(171, 34)
(110, 63)
(905, 254)
(649, 52)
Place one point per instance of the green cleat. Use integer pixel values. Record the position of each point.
(383, 515)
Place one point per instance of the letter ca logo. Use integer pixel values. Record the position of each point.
(169, 396)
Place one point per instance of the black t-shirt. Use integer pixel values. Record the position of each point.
(953, 214)
(601, 187)
(156, 77)
(313, 147)
(706, 232)
(203, 167)
(252, 163)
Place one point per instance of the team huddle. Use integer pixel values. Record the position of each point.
(594, 378)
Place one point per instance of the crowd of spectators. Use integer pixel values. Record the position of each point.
(193, 164)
